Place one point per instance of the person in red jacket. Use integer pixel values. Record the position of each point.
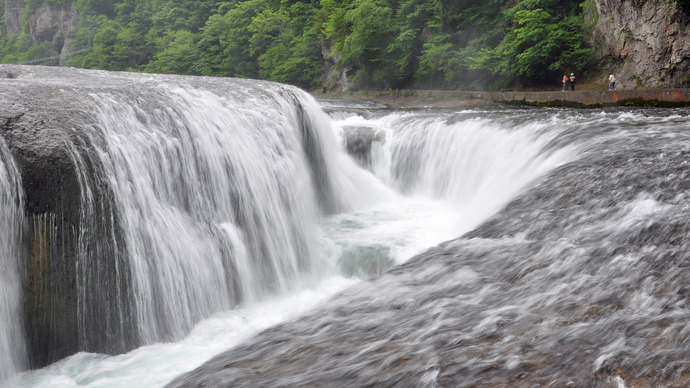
(565, 83)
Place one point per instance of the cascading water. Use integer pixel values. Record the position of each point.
(454, 168)
(12, 352)
(476, 163)
(217, 199)
(203, 203)
(212, 209)
(581, 280)
(194, 197)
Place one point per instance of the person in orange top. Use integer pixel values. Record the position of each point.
(565, 83)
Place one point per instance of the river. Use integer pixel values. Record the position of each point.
(488, 246)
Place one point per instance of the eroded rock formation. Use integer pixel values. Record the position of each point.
(41, 129)
(648, 41)
(47, 22)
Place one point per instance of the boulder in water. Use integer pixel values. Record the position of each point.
(358, 141)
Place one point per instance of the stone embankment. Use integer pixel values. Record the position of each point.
(584, 98)
(593, 98)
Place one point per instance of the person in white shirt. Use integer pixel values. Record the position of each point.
(612, 82)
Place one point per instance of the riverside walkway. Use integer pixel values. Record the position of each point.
(584, 98)
(655, 97)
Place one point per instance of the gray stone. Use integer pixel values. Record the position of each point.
(43, 131)
(48, 22)
(358, 141)
(649, 38)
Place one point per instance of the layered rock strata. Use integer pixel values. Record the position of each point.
(648, 41)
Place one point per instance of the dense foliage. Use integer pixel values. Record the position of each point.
(378, 43)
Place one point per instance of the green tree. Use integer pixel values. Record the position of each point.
(180, 56)
(417, 22)
(101, 57)
(369, 32)
(19, 48)
(438, 62)
(96, 7)
(335, 27)
(181, 14)
(377, 43)
(287, 45)
(129, 50)
(237, 57)
(537, 47)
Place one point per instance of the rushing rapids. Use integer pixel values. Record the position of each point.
(155, 202)
(11, 222)
(165, 220)
(582, 280)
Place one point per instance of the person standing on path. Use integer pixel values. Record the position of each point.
(572, 82)
(565, 83)
(612, 82)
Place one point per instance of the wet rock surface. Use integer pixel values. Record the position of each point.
(77, 266)
(580, 281)
(358, 143)
(37, 141)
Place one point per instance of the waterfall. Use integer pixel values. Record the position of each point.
(581, 279)
(215, 196)
(476, 163)
(473, 162)
(195, 199)
(154, 202)
(12, 352)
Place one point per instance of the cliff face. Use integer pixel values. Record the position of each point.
(13, 16)
(648, 41)
(46, 23)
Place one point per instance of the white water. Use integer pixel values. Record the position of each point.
(217, 201)
(12, 352)
(185, 174)
(464, 171)
(157, 364)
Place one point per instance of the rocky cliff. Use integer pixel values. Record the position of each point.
(13, 16)
(648, 41)
(45, 22)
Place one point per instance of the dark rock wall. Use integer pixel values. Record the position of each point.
(52, 207)
(71, 241)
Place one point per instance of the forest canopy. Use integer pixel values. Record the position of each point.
(378, 44)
